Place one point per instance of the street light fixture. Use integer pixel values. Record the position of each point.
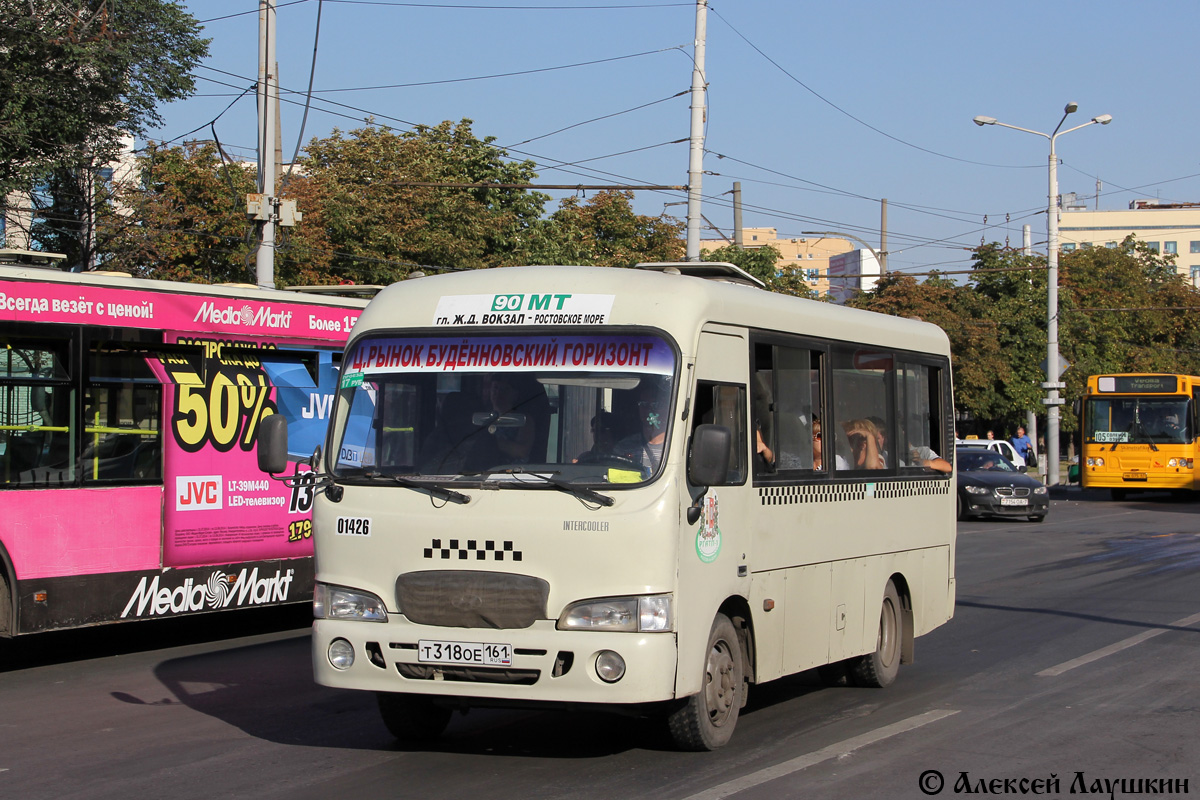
(1052, 384)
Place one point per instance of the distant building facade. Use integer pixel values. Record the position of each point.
(808, 256)
(18, 212)
(1168, 228)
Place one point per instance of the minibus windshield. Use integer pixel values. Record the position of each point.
(586, 409)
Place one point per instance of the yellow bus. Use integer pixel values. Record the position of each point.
(643, 489)
(1139, 433)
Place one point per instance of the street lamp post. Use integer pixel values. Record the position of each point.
(1052, 384)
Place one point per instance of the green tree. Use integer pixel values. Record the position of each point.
(763, 263)
(364, 220)
(185, 220)
(79, 76)
(604, 231)
(1122, 309)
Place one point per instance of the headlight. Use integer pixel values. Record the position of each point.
(1095, 462)
(977, 490)
(651, 613)
(338, 602)
(1040, 490)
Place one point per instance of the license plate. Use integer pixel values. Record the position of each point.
(464, 653)
(1013, 501)
(1136, 476)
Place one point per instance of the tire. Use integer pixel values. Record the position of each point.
(412, 717)
(879, 669)
(706, 720)
(962, 512)
(8, 625)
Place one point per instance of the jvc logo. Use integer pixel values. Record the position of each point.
(319, 406)
(197, 492)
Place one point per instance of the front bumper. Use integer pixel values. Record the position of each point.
(548, 665)
(983, 505)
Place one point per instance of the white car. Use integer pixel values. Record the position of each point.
(997, 445)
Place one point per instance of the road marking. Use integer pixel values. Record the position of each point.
(824, 754)
(1116, 648)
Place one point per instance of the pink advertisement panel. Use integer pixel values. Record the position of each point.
(219, 508)
(137, 308)
(52, 532)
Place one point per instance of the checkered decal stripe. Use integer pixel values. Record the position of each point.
(840, 492)
(463, 549)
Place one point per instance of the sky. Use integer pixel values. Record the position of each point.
(819, 110)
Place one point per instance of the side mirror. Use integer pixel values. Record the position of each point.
(272, 444)
(712, 450)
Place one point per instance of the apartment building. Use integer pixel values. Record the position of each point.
(806, 256)
(1169, 228)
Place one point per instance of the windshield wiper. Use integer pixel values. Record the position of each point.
(549, 478)
(435, 489)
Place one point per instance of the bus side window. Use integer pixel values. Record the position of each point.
(36, 413)
(797, 408)
(725, 404)
(920, 437)
(862, 395)
(122, 442)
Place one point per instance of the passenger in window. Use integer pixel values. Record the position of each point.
(864, 444)
(922, 456)
(819, 449)
(763, 411)
(763, 451)
(645, 448)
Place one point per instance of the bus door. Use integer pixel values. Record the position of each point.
(714, 553)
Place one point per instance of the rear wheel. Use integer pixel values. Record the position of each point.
(412, 717)
(7, 625)
(706, 720)
(879, 669)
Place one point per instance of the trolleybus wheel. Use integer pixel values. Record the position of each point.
(706, 720)
(879, 669)
(412, 717)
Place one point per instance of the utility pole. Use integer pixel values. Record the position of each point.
(883, 237)
(696, 140)
(268, 102)
(737, 215)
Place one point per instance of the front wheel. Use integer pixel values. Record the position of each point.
(412, 717)
(879, 669)
(706, 720)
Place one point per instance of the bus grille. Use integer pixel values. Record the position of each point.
(439, 672)
(459, 599)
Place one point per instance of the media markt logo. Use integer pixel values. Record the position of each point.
(265, 317)
(220, 591)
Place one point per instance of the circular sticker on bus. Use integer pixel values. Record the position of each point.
(708, 537)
